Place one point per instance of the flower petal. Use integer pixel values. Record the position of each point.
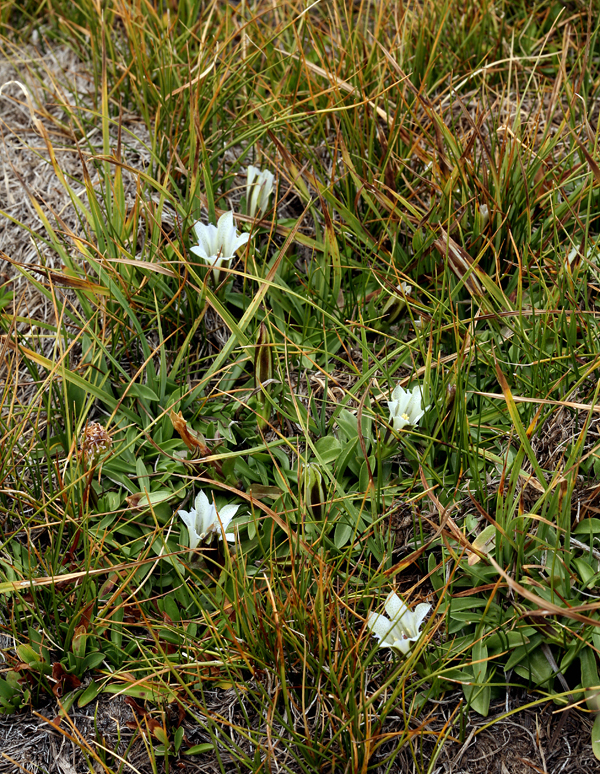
(402, 646)
(226, 514)
(205, 513)
(420, 614)
(398, 393)
(207, 238)
(200, 252)
(240, 241)
(252, 172)
(413, 407)
(266, 188)
(417, 417)
(252, 190)
(211, 260)
(189, 519)
(226, 234)
(400, 423)
(395, 607)
(381, 626)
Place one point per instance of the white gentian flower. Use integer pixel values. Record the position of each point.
(591, 253)
(218, 244)
(405, 407)
(403, 628)
(573, 253)
(484, 211)
(203, 521)
(396, 302)
(258, 189)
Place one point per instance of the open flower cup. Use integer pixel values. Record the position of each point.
(217, 245)
(405, 407)
(402, 628)
(203, 521)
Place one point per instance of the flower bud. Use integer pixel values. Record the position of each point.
(258, 190)
(313, 490)
(450, 393)
(396, 302)
(263, 358)
(484, 212)
(263, 373)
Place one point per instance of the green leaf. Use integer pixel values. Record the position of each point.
(479, 694)
(154, 694)
(343, 533)
(7, 692)
(348, 424)
(153, 498)
(178, 738)
(589, 678)
(484, 543)
(587, 527)
(586, 573)
(141, 391)
(89, 694)
(329, 448)
(92, 660)
(346, 455)
(27, 654)
(596, 737)
(518, 425)
(479, 698)
(521, 652)
(535, 668)
(199, 748)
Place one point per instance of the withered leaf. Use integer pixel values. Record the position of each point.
(194, 440)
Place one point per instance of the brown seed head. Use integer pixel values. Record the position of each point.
(95, 442)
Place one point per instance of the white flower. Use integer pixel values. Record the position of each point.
(396, 302)
(218, 244)
(203, 520)
(405, 407)
(403, 628)
(258, 189)
(484, 211)
(591, 254)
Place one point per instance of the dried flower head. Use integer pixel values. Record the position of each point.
(95, 442)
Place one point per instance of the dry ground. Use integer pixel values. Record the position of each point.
(532, 740)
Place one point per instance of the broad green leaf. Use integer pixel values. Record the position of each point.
(596, 737)
(343, 533)
(587, 527)
(197, 749)
(141, 391)
(589, 678)
(329, 448)
(89, 694)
